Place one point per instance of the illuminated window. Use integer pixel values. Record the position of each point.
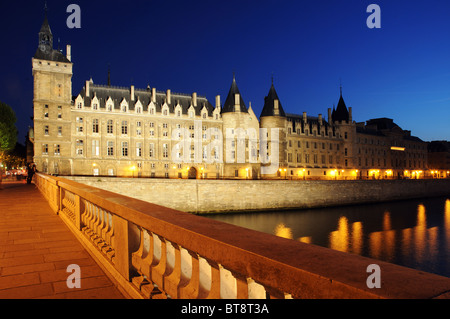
(110, 149)
(124, 127)
(109, 127)
(95, 126)
(45, 149)
(124, 149)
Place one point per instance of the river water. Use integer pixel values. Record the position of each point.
(412, 233)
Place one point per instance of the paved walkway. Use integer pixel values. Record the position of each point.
(36, 247)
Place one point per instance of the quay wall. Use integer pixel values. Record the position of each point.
(220, 196)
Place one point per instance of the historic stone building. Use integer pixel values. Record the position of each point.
(126, 131)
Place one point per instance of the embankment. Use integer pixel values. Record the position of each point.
(217, 196)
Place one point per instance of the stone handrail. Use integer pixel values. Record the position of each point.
(152, 251)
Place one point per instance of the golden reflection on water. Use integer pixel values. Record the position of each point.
(339, 239)
(419, 243)
(282, 231)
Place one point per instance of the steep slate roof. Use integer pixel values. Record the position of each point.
(118, 94)
(312, 121)
(269, 109)
(53, 55)
(229, 102)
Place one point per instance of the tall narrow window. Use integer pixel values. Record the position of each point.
(109, 127)
(57, 149)
(44, 149)
(124, 149)
(110, 148)
(124, 127)
(138, 149)
(95, 126)
(95, 148)
(165, 151)
(152, 150)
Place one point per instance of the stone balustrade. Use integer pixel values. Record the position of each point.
(152, 251)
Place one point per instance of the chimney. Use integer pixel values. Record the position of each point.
(350, 114)
(168, 97)
(217, 100)
(87, 88)
(69, 52)
(320, 119)
(329, 115)
(305, 118)
(132, 93)
(194, 99)
(154, 95)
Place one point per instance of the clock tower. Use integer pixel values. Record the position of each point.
(45, 37)
(52, 100)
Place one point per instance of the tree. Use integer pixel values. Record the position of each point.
(8, 130)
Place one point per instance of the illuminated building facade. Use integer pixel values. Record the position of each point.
(127, 131)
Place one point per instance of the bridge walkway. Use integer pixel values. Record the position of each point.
(36, 247)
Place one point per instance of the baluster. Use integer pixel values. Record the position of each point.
(105, 231)
(228, 284)
(192, 290)
(255, 290)
(88, 220)
(173, 280)
(97, 223)
(85, 216)
(99, 228)
(209, 285)
(159, 270)
(241, 286)
(214, 291)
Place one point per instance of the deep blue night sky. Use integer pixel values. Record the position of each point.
(401, 71)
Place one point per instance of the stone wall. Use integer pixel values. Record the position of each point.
(207, 196)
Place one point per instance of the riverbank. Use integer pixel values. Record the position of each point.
(220, 196)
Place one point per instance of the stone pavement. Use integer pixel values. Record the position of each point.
(36, 247)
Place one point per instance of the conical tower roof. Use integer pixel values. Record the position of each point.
(341, 113)
(269, 104)
(229, 105)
